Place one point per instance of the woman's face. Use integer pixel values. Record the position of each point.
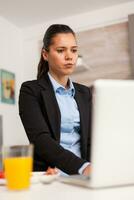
(62, 54)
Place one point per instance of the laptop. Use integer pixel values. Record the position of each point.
(112, 149)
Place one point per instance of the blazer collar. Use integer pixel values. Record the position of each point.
(45, 82)
(83, 107)
(51, 105)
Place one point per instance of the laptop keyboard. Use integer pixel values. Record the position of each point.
(75, 179)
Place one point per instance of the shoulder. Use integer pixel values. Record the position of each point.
(80, 86)
(31, 86)
(83, 88)
(30, 83)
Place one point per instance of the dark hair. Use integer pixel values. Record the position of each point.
(51, 32)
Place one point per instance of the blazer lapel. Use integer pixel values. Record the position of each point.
(51, 106)
(82, 106)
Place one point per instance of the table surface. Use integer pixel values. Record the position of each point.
(61, 191)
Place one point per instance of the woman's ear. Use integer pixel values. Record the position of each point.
(45, 54)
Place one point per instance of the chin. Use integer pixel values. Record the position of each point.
(68, 72)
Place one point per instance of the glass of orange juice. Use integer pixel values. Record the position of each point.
(18, 162)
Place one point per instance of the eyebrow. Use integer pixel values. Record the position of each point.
(66, 47)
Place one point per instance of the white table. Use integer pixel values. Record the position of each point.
(61, 191)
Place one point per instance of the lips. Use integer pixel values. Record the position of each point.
(69, 65)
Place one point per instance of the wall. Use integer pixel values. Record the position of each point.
(131, 40)
(11, 60)
(32, 36)
(105, 52)
(1, 141)
(20, 50)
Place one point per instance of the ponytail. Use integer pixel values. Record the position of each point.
(42, 67)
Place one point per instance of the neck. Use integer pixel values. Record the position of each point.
(62, 80)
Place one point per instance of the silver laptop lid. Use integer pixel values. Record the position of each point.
(112, 154)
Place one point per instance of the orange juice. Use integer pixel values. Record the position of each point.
(17, 172)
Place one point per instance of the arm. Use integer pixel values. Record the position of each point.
(90, 125)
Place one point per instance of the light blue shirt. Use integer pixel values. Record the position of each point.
(70, 118)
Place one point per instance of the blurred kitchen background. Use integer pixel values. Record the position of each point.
(105, 34)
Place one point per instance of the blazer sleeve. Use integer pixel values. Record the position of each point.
(90, 125)
(39, 134)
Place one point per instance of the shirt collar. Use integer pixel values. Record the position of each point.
(58, 88)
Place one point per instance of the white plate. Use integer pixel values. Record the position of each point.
(35, 178)
(48, 178)
(41, 177)
(2, 181)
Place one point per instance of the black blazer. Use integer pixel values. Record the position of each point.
(40, 115)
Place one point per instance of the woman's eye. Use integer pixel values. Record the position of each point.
(74, 50)
(60, 50)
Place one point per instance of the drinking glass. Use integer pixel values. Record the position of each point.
(17, 163)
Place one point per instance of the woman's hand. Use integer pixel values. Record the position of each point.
(87, 170)
(51, 171)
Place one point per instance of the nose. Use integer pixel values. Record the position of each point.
(68, 55)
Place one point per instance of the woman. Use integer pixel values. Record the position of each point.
(55, 112)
